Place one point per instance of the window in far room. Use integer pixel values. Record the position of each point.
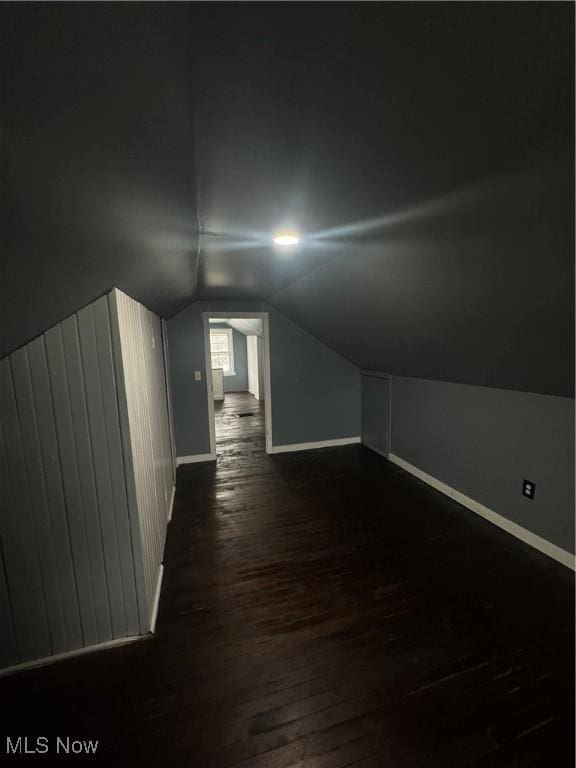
(222, 350)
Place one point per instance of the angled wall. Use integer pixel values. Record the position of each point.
(484, 442)
(66, 530)
(86, 470)
(471, 296)
(146, 428)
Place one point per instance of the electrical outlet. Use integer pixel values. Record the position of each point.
(197, 375)
(528, 489)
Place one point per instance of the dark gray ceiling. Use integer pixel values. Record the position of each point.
(476, 287)
(97, 159)
(323, 115)
(130, 127)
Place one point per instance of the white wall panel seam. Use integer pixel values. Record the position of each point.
(90, 450)
(102, 475)
(118, 479)
(47, 549)
(148, 415)
(73, 492)
(26, 530)
(64, 500)
(119, 355)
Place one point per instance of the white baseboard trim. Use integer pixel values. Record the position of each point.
(70, 654)
(99, 646)
(311, 446)
(171, 507)
(195, 458)
(156, 600)
(542, 545)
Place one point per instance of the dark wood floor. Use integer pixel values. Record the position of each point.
(322, 610)
(235, 434)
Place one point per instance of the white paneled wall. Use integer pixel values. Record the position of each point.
(150, 488)
(86, 480)
(66, 537)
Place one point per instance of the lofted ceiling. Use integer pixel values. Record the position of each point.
(98, 183)
(424, 151)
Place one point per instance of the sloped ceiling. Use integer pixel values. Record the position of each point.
(97, 159)
(423, 150)
(476, 287)
(249, 326)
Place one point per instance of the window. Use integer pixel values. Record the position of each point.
(222, 350)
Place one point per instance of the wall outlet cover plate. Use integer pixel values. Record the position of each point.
(528, 489)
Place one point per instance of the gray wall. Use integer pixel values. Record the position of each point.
(239, 382)
(376, 412)
(189, 397)
(149, 466)
(483, 442)
(65, 528)
(315, 392)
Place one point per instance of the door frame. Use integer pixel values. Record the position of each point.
(206, 315)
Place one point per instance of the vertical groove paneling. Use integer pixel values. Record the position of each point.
(56, 510)
(86, 478)
(71, 483)
(19, 535)
(99, 441)
(36, 482)
(116, 461)
(67, 571)
(8, 647)
(142, 354)
(8, 652)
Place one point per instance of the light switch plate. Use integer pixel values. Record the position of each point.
(197, 375)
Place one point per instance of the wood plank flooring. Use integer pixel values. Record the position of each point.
(322, 610)
(234, 433)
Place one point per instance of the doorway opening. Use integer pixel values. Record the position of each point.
(238, 381)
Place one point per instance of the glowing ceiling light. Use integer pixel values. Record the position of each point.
(286, 238)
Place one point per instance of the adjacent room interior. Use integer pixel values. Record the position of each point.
(237, 357)
(287, 384)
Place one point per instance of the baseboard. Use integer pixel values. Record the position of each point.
(197, 457)
(311, 446)
(99, 646)
(171, 507)
(156, 600)
(70, 654)
(542, 545)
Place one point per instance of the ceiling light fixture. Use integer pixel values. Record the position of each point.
(286, 238)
